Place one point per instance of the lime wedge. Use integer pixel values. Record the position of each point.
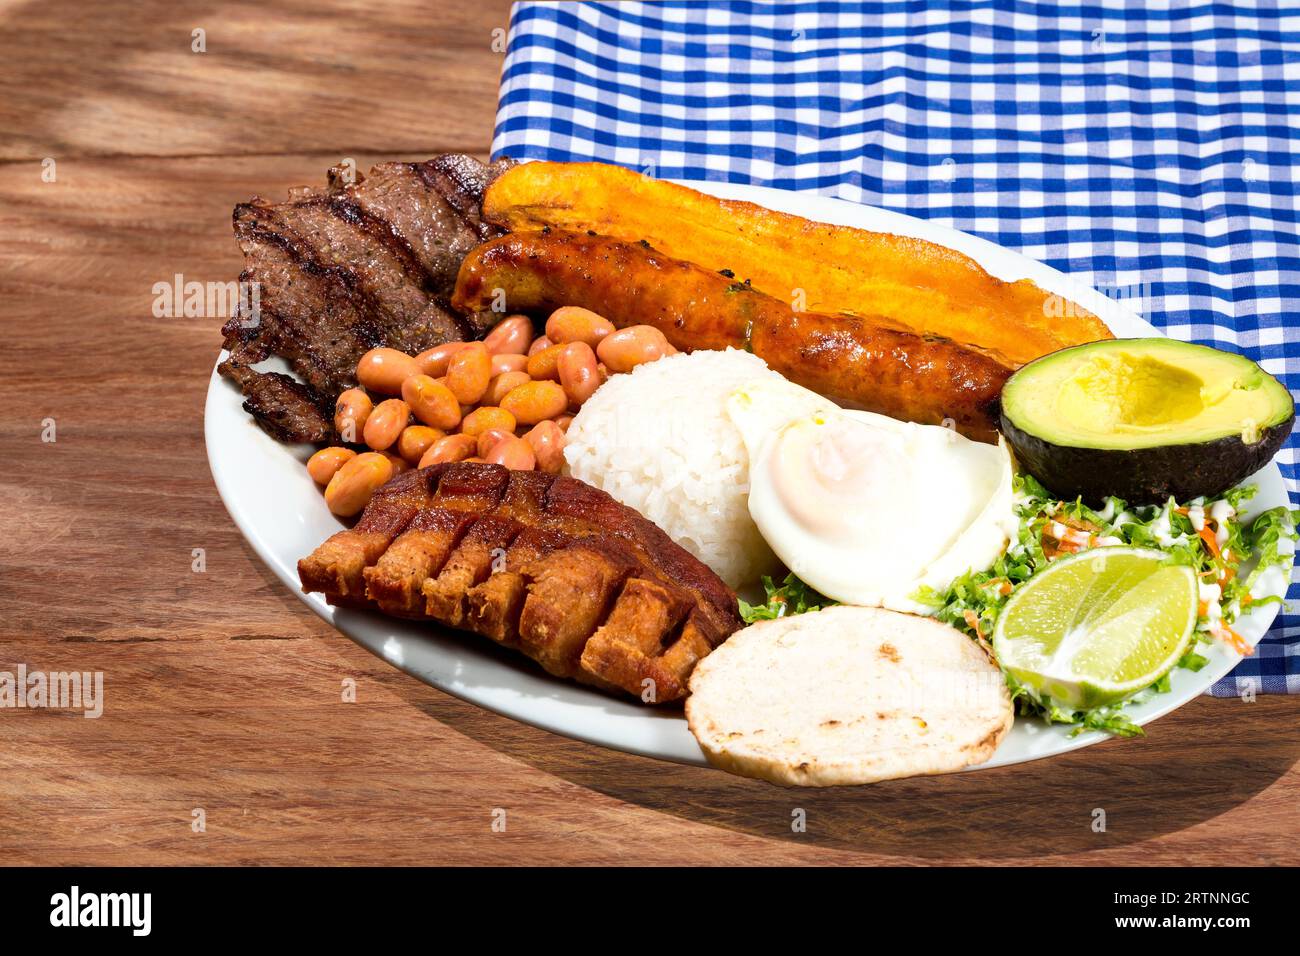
(1098, 626)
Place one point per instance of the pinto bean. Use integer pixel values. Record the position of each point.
(415, 440)
(353, 485)
(502, 385)
(433, 362)
(469, 372)
(573, 324)
(515, 453)
(323, 465)
(487, 417)
(508, 362)
(386, 422)
(350, 413)
(451, 448)
(512, 335)
(544, 364)
(432, 402)
(399, 464)
(579, 373)
(547, 442)
(488, 440)
(384, 370)
(534, 402)
(635, 345)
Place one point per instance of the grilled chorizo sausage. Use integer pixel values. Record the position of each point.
(858, 361)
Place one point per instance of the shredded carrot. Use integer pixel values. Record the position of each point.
(1079, 534)
(1078, 524)
(1076, 537)
(1054, 547)
(973, 622)
(1211, 542)
(1003, 585)
(1232, 639)
(1203, 608)
(1051, 550)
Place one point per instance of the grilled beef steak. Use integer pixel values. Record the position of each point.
(548, 566)
(343, 269)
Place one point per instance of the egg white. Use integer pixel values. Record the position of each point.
(865, 508)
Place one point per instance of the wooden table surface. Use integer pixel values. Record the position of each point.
(222, 690)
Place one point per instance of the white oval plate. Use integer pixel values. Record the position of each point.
(282, 514)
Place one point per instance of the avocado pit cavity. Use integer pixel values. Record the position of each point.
(1126, 392)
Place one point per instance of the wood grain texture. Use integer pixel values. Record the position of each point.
(289, 76)
(222, 691)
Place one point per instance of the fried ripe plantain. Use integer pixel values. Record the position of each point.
(921, 286)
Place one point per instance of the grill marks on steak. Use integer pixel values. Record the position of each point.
(344, 269)
(284, 407)
(548, 566)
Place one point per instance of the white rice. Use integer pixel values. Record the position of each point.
(659, 440)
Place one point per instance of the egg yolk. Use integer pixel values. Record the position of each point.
(827, 471)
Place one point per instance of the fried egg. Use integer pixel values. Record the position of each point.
(865, 508)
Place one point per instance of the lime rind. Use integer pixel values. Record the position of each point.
(1097, 627)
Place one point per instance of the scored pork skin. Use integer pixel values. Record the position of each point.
(548, 566)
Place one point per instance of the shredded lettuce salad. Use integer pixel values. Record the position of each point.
(1206, 535)
(792, 597)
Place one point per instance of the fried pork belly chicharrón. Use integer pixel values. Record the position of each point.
(546, 565)
(341, 270)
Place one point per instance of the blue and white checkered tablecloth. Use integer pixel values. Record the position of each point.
(1151, 150)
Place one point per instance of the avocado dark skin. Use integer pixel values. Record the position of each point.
(1144, 476)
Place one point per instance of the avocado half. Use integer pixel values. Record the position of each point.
(1144, 419)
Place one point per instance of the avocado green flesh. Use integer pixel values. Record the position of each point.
(1144, 393)
(1144, 419)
